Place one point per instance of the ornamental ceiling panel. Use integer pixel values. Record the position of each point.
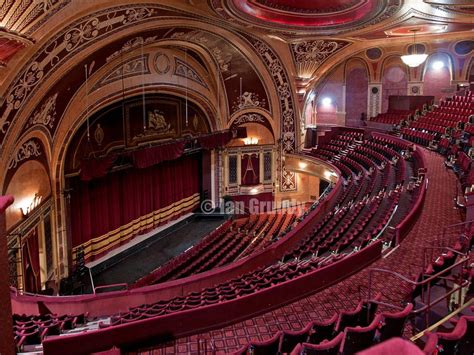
(309, 55)
(241, 94)
(317, 17)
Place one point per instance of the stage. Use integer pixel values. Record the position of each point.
(145, 253)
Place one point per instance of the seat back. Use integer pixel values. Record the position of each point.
(323, 330)
(349, 318)
(369, 309)
(325, 348)
(268, 347)
(448, 343)
(290, 339)
(359, 338)
(466, 344)
(393, 323)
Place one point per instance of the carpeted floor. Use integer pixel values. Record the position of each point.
(438, 212)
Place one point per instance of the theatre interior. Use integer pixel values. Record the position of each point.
(236, 177)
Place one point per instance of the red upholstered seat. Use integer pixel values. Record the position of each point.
(328, 347)
(449, 342)
(430, 347)
(393, 323)
(349, 318)
(359, 338)
(268, 347)
(290, 339)
(323, 330)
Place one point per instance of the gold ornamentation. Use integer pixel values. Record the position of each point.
(99, 134)
(157, 122)
(195, 122)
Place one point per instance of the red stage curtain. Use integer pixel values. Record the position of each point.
(147, 157)
(103, 205)
(250, 169)
(31, 265)
(215, 140)
(96, 168)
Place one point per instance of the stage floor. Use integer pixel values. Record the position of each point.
(143, 258)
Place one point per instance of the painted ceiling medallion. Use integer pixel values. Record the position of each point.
(323, 14)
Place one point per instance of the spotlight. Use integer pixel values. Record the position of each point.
(437, 65)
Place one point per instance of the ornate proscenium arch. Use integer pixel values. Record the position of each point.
(46, 111)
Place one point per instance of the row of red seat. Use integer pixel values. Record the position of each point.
(422, 126)
(346, 333)
(459, 341)
(392, 117)
(31, 330)
(221, 247)
(418, 137)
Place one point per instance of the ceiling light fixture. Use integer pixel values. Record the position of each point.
(414, 60)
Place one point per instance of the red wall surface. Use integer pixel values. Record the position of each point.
(357, 84)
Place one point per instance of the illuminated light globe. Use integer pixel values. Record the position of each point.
(414, 60)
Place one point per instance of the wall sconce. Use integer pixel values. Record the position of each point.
(328, 174)
(250, 141)
(302, 164)
(27, 209)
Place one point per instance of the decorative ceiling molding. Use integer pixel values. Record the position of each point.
(59, 48)
(132, 67)
(186, 71)
(46, 115)
(132, 44)
(309, 55)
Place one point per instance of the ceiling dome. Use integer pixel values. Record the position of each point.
(303, 13)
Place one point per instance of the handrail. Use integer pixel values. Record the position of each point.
(388, 222)
(439, 299)
(411, 282)
(441, 321)
(110, 286)
(455, 225)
